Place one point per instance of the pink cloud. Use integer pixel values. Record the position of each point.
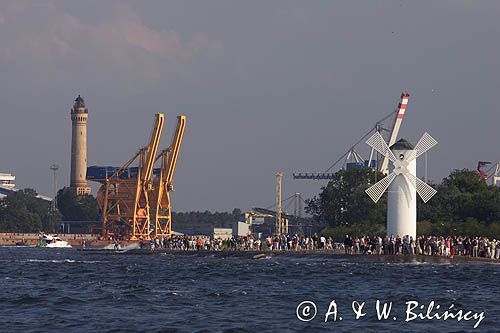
(123, 39)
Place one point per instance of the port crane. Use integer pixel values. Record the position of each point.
(138, 198)
(281, 216)
(480, 169)
(397, 115)
(492, 173)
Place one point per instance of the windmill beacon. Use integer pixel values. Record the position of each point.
(401, 183)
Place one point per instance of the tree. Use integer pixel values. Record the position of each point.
(463, 196)
(236, 214)
(344, 201)
(77, 208)
(22, 211)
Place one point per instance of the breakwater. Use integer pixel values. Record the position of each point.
(17, 238)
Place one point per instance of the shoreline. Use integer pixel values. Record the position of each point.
(311, 253)
(258, 255)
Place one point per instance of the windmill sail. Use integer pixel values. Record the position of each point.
(376, 191)
(425, 191)
(377, 142)
(425, 143)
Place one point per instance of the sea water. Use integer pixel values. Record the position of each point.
(65, 290)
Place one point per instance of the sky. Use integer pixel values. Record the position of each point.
(266, 86)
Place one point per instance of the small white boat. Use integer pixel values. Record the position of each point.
(51, 241)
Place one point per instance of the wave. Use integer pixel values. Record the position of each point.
(133, 246)
(61, 261)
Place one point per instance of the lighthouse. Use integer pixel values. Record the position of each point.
(79, 115)
(402, 194)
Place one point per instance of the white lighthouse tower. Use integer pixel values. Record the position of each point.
(402, 183)
(402, 195)
(78, 177)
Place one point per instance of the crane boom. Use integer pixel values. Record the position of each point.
(175, 147)
(152, 148)
(398, 119)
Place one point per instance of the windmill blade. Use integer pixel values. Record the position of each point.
(411, 155)
(377, 142)
(375, 192)
(425, 143)
(425, 191)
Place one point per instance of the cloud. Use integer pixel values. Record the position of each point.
(48, 35)
(292, 15)
(127, 29)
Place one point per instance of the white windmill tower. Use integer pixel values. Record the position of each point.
(401, 183)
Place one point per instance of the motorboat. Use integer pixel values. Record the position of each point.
(52, 241)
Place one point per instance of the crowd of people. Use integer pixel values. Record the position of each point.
(389, 245)
(276, 243)
(424, 245)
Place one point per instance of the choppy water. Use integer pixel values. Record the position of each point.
(56, 290)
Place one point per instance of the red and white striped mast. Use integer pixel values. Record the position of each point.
(398, 119)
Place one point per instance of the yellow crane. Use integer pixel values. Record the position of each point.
(164, 184)
(135, 201)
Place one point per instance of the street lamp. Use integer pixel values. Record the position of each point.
(54, 168)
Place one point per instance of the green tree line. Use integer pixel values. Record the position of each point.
(464, 204)
(22, 211)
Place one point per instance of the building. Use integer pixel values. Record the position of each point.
(6, 184)
(78, 177)
(7, 180)
(222, 233)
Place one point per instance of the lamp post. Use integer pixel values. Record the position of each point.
(54, 168)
